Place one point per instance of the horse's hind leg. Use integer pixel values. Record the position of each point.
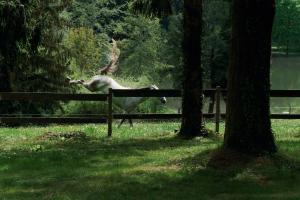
(130, 122)
(211, 104)
(122, 121)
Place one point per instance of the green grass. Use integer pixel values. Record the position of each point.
(145, 162)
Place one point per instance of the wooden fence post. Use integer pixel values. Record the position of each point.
(218, 108)
(110, 114)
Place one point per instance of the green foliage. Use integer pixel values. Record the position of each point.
(33, 57)
(152, 7)
(215, 42)
(103, 16)
(216, 38)
(286, 29)
(173, 50)
(84, 108)
(142, 41)
(86, 51)
(48, 63)
(141, 53)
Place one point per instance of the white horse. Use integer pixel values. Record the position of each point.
(102, 84)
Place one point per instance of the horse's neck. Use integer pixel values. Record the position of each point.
(127, 103)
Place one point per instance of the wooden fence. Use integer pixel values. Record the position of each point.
(122, 93)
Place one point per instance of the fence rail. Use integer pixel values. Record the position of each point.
(285, 93)
(21, 96)
(146, 93)
(160, 116)
(56, 120)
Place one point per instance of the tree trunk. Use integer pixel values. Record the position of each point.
(248, 125)
(4, 79)
(191, 125)
(5, 86)
(212, 68)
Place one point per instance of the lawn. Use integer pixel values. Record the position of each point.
(145, 162)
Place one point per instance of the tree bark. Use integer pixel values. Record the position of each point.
(191, 125)
(212, 80)
(248, 125)
(4, 79)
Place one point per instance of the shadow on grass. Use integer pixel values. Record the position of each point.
(133, 169)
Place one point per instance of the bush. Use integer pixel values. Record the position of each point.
(84, 108)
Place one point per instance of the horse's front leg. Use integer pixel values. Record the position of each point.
(122, 121)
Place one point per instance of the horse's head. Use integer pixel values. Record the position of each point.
(70, 81)
(162, 99)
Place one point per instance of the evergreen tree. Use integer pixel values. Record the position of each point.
(286, 29)
(192, 99)
(32, 56)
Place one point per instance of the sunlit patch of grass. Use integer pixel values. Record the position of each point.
(147, 161)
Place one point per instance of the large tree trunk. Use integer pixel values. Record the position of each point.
(248, 126)
(191, 125)
(5, 86)
(4, 79)
(212, 68)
